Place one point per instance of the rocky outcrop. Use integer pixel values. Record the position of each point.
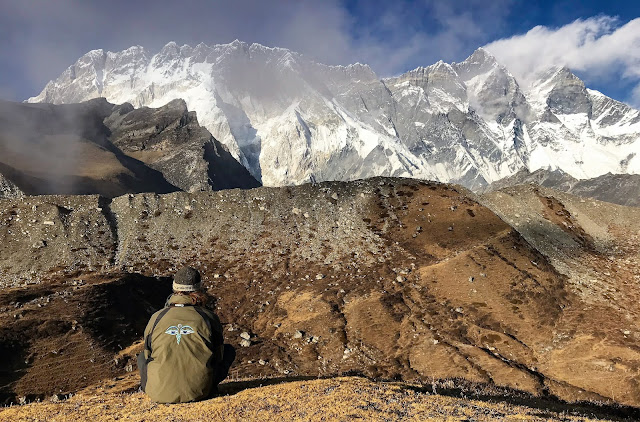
(8, 189)
(623, 189)
(170, 140)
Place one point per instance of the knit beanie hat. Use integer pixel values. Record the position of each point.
(187, 279)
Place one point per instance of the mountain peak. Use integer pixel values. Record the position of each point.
(480, 61)
(170, 47)
(481, 55)
(94, 53)
(237, 44)
(556, 74)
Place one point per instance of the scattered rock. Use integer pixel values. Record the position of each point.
(298, 334)
(245, 343)
(246, 336)
(39, 244)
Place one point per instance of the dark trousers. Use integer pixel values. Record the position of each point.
(142, 366)
(222, 370)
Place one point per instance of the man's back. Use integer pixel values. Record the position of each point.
(186, 345)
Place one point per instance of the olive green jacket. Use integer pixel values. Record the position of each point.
(186, 346)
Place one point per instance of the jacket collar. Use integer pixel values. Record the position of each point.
(179, 300)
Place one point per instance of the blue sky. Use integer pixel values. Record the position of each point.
(600, 41)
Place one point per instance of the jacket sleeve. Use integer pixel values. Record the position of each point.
(147, 331)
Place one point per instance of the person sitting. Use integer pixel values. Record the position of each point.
(185, 357)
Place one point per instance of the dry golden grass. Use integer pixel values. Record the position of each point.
(334, 399)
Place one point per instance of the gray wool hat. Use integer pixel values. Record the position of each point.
(187, 279)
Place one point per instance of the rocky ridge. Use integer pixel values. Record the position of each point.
(621, 189)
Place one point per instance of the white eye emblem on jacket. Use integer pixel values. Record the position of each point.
(179, 331)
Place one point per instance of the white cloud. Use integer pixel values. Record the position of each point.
(598, 48)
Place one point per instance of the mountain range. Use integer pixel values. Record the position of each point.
(290, 120)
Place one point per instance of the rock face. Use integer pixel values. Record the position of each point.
(98, 147)
(291, 121)
(553, 179)
(170, 140)
(392, 278)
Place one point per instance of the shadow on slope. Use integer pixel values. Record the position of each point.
(61, 338)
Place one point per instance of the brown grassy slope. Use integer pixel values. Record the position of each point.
(391, 278)
(596, 246)
(319, 400)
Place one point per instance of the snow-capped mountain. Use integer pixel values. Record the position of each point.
(290, 120)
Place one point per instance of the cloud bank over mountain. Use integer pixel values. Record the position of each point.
(597, 48)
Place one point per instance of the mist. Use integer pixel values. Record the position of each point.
(40, 144)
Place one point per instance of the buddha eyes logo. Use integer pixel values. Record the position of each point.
(179, 331)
